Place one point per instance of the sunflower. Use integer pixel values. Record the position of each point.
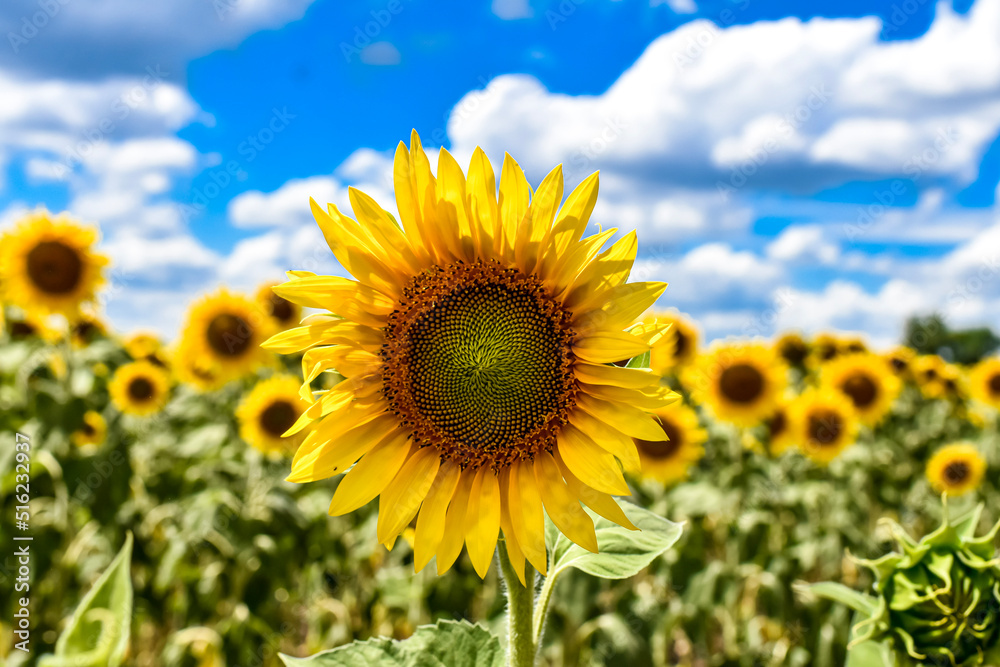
(47, 264)
(668, 460)
(824, 348)
(780, 435)
(932, 375)
(824, 423)
(956, 469)
(283, 312)
(678, 348)
(867, 380)
(984, 382)
(900, 359)
(475, 342)
(270, 409)
(195, 372)
(139, 388)
(146, 346)
(85, 328)
(740, 382)
(32, 325)
(792, 348)
(92, 431)
(852, 345)
(223, 333)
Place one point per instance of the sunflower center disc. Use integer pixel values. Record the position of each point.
(87, 429)
(777, 425)
(281, 309)
(824, 427)
(995, 384)
(741, 383)
(140, 389)
(477, 361)
(956, 472)
(663, 449)
(229, 335)
(54, 267)
(278, 418)
(861, 389)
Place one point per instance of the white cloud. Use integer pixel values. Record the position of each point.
(509, 10)
(380, 53)
(803, 243)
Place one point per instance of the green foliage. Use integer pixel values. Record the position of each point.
(931, 335)
(446, 644)
(98, 633)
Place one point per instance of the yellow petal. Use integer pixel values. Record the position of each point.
(336, 332)
(482, 520)
(614, 441)
(535, 227)
(515, 194)
(454, 524)
(630, 421)
(602, 503)
(649, 398)
(430, 521)
(383, 228)
(453, 219)
(341, 296)
(401, 499)
(616, 376)
(406, 199)
(341, 235)
(514, 552)
(576, 259)
(609, 269)
(590, 462)
(604, 347)
(371, 474)
(562, 507)
(527, 519)
(352, 415)
(481, 191)
(617, 307)
(570, 224)
(335, 455)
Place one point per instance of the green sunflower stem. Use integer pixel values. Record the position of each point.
(520, 604)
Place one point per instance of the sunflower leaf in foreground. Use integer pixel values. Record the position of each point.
(446, 644)
(98, 633)
(477, 343)
(624, 553)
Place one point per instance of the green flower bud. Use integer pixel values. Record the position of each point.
(937, 602)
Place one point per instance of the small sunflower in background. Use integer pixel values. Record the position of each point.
(47, 264)
(26, 326)
(92, 431)
(224, 332)
(984, 382)
(146, 346)
(678, 347)
(195, 372)
(270, 409)
(900, 360)
(867, 380)
(824, 348)
(824, 423)
(792, 348)
(139, 388)
(780, 435)
(283, 312)
(669, 460)
(852, 345)
(956, 469)
(86, 328)
(740, 382)
(933, 376)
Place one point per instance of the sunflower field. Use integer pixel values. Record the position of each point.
(487, 360)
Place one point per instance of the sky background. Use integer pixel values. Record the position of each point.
(810, 165)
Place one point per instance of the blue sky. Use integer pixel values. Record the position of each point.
(786, 164)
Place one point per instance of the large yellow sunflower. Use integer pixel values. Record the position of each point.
(92, 431)
(271, 408)
(956, 469)
(740, 382)
(984, 382)
(139, 388)
(668, 460)
(283, 312)
(223, 334)
(867, 380)
(47, 264)
(679, 346)
(824, 423)
(475, 342)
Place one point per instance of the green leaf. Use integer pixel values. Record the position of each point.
(870, 654)
(847, 596)
(97, 635)
(642, 361)
(447, 644)
(623, 553)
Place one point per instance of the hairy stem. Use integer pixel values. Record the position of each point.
(520, 601)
